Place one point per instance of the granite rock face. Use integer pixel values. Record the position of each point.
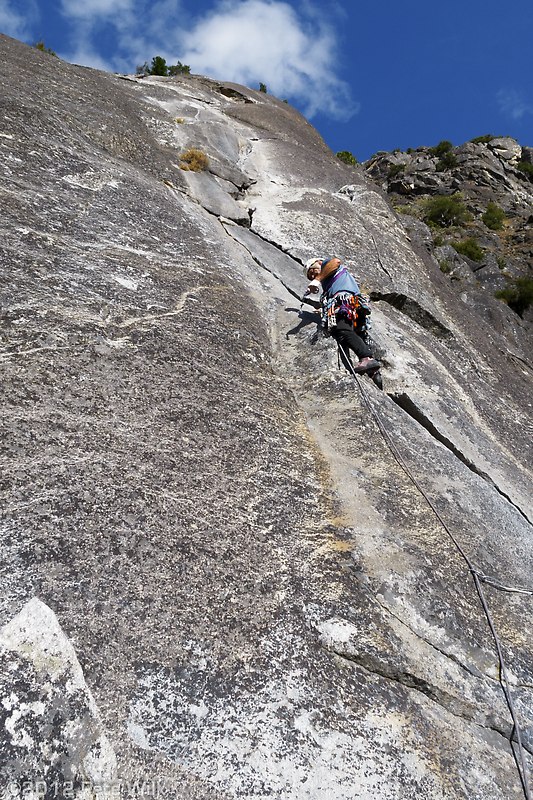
(52, 730)
(225, 568)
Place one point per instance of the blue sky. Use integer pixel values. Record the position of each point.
(369, 75)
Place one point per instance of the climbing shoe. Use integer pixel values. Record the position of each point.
(367, 364)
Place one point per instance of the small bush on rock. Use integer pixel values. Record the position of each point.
(405, 209)
(194, 160)
(179, 69)
(470, 249)
(518, 295)
(395, 170)
(488, 137)
(526, 168)
(441, 148)
(446, 161)
(494, 217)
(40, 45)
(445, 211)
(346, 157)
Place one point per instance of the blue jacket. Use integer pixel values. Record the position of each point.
(340, 281)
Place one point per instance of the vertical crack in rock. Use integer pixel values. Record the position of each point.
(276, 245)
(409, 406)
(261, 263)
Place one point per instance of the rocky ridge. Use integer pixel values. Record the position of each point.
(487, 172)
(218, 579)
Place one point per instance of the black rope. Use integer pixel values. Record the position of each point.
(477, 578)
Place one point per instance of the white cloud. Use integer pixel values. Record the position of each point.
(87, 57)
(95, 9)
(512, 104)
(244, 41)
(252, 41)
(141, 29)
(15, 24)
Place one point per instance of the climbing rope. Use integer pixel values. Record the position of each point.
(477, 577)
(497, 585)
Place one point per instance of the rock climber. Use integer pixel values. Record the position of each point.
(343, 311)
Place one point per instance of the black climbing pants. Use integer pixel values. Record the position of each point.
(345, 335)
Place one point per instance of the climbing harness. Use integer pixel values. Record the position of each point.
(478, 579)
(354, 308)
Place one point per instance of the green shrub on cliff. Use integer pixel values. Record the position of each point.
(40, 45)
(488, 137)
(526, 168)
(179, 69)
(518, 295)
(446, 161)
(347, 157)
(395, 170)
(445, 211)
(444, 151)
(441, 148)
(469, 248)
(494, 217)
(160, 67)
